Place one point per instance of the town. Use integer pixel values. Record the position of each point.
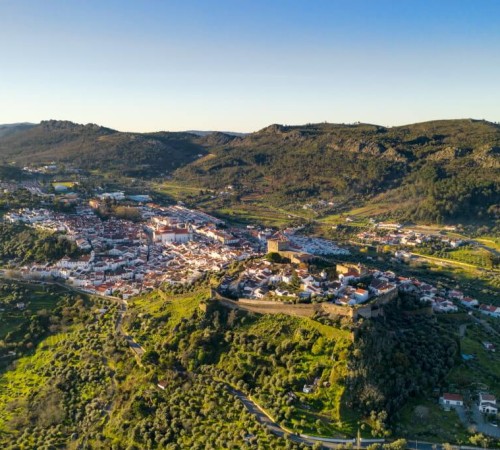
(177, 245)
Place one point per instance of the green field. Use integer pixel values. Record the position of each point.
(176, 191)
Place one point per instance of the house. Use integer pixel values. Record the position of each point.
(401, 254)
(451, 400)
(456, 294)
(490, 310)
(168, 235)
(441, 305)
(487, 404)
(162, 384)
(489, 346)
(361, 295)
(308, 388)
(469, 302)
(380, 287)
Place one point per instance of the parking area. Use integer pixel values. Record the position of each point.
(479, 422)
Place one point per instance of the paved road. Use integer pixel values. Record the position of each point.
(479, 423)
(485, 247)
(482, 425)
(276, 429)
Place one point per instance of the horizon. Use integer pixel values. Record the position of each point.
(194, 131)
(242, 66)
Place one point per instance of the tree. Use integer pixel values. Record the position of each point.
(274, 257)
(151, 357)
(400, 444)
(480, 440)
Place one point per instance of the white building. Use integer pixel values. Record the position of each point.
(451, 400)
(488, 404)
(168, 235)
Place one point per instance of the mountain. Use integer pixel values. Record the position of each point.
(12, 128)
(442, 169)
(437, 171)
(206, 133)
(94, 147)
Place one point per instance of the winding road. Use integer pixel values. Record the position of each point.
(276, 429)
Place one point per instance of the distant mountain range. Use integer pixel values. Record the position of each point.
(439, 170)
(206, 133)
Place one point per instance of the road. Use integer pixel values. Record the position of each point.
(276, 429)
(484, 324)
(485, 247)
(482, 425)
(136, 348)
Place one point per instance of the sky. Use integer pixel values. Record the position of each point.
(240, 65)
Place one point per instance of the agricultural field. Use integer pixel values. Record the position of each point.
(176, 191)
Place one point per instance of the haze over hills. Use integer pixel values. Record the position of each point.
(442, 169)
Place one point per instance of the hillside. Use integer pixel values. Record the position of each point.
(12, 128)
(94, 395)
(94, 147)
(440, 170)
(433, 171)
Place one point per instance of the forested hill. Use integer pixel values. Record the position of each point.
(435, 170)
(94, 147)
(443, 169)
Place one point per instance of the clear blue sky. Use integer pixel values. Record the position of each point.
(243, 64)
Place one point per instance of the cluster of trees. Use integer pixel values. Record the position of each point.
(438, 171)
(441, 195)
(26, 244)
(110, 207)
(94, 147)
(402, 355)
(192, 411)
(74, 378)
(92, 392)
(263, 356)
(21, 198)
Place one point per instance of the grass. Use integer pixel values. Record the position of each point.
(475, 256)
(485, 367)
(253, 213)
(168, 310)
(68, 184)
(177, 307)
(176, 190)
(490, 241)
(434, 424)
(324, 404)
(18, 384)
